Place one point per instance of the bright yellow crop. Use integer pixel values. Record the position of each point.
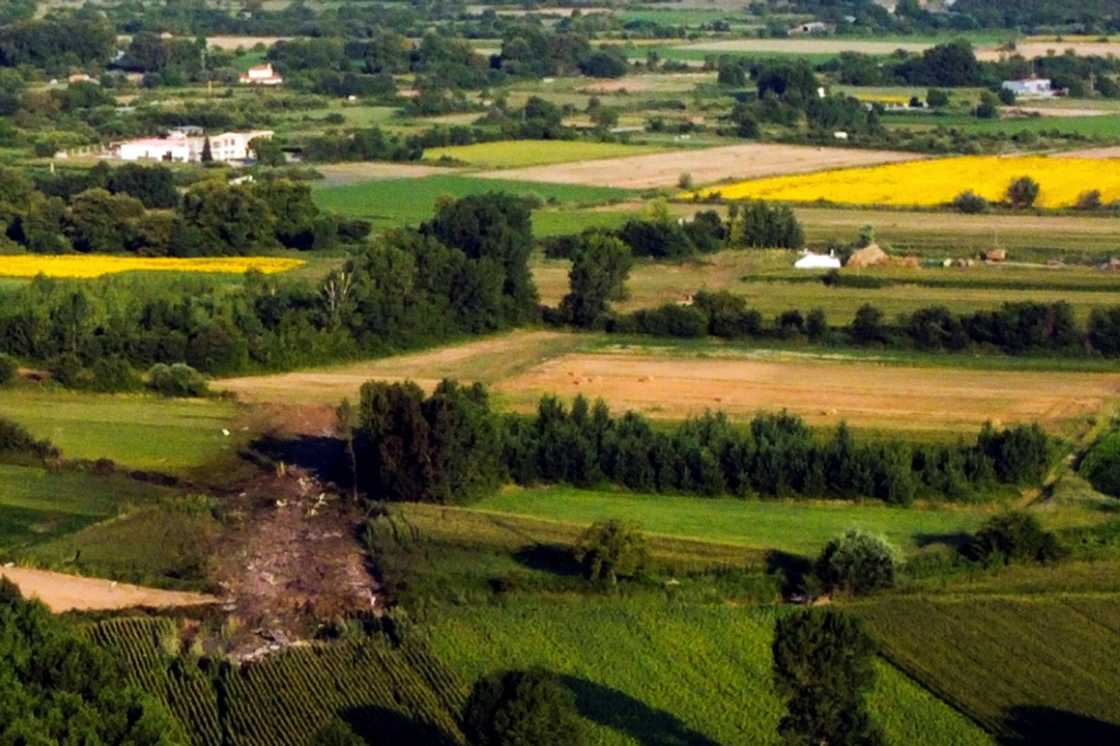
(935, 182)
(85, 266)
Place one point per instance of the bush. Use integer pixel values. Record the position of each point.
(17, 441)
(113, 374)
(179, 380)
(857, 562)
(867, 328)
(970, 203)
(1015, 536)
(1089, 200)
(610, 550)
(936, 98)
(8, 369)
(1022, 192)
(516, 708)
(1101, 465)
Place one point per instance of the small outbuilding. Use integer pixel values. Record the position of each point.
(809, 260)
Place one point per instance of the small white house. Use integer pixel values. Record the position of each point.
(260, 75)
(812, 27)
(1030, 88)
(809, 260)
(176, 149)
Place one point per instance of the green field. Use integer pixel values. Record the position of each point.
(399, 202)
(517, 153)
(387, 693)
(137, 431)
(1104, 127)
(800, 527)
(37, 506)
(1034, 669)
(656, 672)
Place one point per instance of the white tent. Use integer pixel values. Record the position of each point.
(817, 261)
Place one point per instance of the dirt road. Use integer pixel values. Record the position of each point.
(62, 592)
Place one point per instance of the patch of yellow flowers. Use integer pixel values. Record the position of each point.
(935, 182)
(86, 266)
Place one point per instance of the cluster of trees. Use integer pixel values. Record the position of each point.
(464, 272)
(450, 448)
(1101, 464)
(1019, 328)
(212, 218)
(59, 687)
(58, 41)
(532, 51)
(16, 443)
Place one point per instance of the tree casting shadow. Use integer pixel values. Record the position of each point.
(380, 725)
(1047, 726)
(323, 456)
(623, 713)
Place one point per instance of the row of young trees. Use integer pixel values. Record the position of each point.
(451, 448)
(463, 272)
(1014, 328)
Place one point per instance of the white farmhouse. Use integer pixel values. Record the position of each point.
(187, 147)
(1030, 88)
(809, 260)
(261, 75)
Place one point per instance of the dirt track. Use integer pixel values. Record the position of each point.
(1032, 49)
(865, 394)
(704, 165)
(62, 592)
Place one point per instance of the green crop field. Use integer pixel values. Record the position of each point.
(801, 527)
(652, 671)
(37, 506)
(1101, 126)
(399, 202)
(1031, 668)
(516, 153)
(388, 693)
(138, 431)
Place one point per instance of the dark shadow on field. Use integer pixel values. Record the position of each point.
(1047, 726)
(623, 713)
(958, 540)
(792, 568)
(323, 456)
(378, 725)
(553, 558)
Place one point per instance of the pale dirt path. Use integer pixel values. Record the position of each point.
(704, 165)
(62, 592)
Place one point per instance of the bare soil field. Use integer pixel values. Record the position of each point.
(341, 174)
(1112, 151)
(643, 83)
(62, 592)
(706, 166)
(487, 360)
(550, 11)
(1050, 111)
(864, 393)
(808, 46)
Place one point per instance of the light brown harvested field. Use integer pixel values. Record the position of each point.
(863, 393)
(487, 360)
(551, 11)
(62, 592)
(641, 83)
(340, 174)
(1112, 151)
(808, 46)
(1050, 111)
(1032, 49)
(705, 165)
(233, 42)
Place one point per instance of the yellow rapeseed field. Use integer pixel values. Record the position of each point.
(934, 182)
(86, 266)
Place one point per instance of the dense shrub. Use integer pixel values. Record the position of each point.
(759, 224)
(1022, 192)
(9, 368)
(517, 708)
(857, 562)
(1101, 465)
(1015, 536)
(177, 380)
(609, 550)
(15, 440)
(600, 266)
(969, 202)
(113, 374)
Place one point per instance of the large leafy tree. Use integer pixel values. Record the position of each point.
(57, 687)
(516, 708)
(599, 270)
(822, 669)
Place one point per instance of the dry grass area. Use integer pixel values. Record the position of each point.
(665, 384)
(705, 166)
(487, 360)
(341, 174)
(679, 82)
(1033, 49)
(1111, 151)
(62, 592)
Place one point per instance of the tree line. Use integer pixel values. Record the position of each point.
(465, 271)
(451, 447)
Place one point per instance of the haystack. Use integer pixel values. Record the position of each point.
(869, 256)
